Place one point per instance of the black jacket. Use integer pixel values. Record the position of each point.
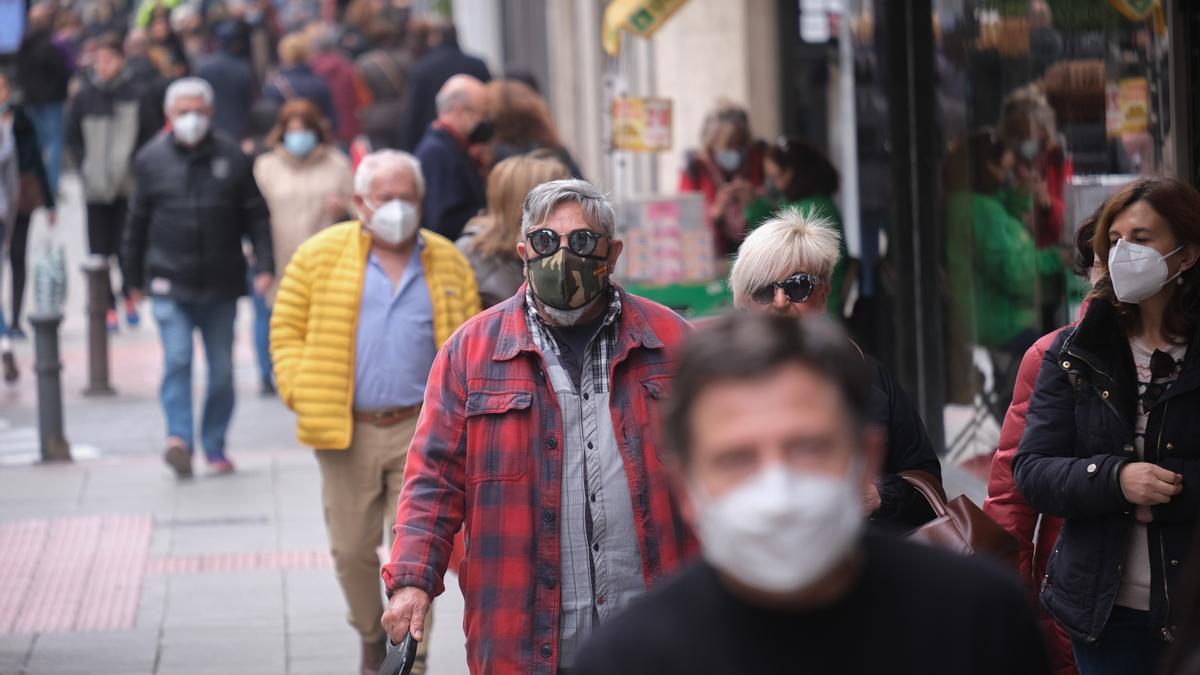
(187, 219)
(454, 189)
(908, 448)
(29, 154)
(43, 71)
(1079, 433)
(232, 80)
(425, 80)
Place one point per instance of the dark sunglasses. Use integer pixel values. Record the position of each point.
(797, 288)
(546, 242)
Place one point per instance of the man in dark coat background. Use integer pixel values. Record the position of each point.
(454, 187)
(427, 78)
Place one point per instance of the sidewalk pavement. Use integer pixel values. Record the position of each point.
(111, 566)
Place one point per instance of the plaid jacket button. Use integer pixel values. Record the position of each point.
(547, 651)
(551, 443)
(548, 516)
(548, 581)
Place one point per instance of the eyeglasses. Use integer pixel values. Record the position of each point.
(797, 288)
(547, 242)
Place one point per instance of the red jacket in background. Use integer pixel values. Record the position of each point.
(1048, 225)
(338, 73)
(701, 174)
(1006, 506)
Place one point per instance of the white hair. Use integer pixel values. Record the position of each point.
(381, 160)
(795, 240)
(542, 200)
(182, 15)
(187, 87)
(449, 99)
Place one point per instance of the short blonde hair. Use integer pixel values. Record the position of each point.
(795, 240)
(293, 49)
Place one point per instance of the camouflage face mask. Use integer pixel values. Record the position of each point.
(566, 280)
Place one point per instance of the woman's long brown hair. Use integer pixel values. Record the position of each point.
(508, 183)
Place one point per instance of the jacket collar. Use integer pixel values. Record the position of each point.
(513, 338)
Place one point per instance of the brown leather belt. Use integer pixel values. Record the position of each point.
(388, 417)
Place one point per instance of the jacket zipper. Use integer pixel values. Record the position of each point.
(1162, 549)
(1107, 402)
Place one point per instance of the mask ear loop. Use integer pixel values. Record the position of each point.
(1177, 278)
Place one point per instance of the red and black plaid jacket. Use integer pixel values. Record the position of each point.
(487, 457)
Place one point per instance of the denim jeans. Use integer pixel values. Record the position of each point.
(262, 330)
(50, 124)
(177, 321)
(1129, 645)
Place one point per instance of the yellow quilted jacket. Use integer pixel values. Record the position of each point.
(315, 320)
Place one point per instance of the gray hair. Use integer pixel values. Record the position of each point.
(449, 99)
(795, 240)
(187, 87)
(381, 160)
(542, 200)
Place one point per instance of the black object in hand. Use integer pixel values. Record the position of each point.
(400, 657)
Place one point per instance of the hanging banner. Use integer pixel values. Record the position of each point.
(641, 124)
(641, 17)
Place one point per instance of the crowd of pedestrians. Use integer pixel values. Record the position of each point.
(618, 491)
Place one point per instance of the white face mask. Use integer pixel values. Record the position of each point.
(1138, 271)
(394, 222)
(782, 530)
(190, 128)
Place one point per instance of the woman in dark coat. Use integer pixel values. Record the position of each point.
(1112, 437)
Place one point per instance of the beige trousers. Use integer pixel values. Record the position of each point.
(360, 487)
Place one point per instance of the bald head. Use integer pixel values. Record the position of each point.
(40, 16)
(137, 43)
(462, 103)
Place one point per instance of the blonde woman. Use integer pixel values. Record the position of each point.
(489, 241)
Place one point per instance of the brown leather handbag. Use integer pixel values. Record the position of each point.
(959, 526)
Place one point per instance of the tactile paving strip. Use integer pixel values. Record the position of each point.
(85, 573)
(72, 574)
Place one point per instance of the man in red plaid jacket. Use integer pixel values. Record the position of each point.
(539, 437)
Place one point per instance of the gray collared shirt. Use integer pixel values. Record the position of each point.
(600, 563)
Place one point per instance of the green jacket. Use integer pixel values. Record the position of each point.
(994, 265)
(762, 209)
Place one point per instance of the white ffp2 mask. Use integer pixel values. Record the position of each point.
(781, 530)
(394, 221)
(190, 128)
(1138, 272)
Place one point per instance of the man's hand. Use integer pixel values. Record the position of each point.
(135, 295)
(405, 613)
(871, 500)
(1146, 484)
(262, 281)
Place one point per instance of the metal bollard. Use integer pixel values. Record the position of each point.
(98, 285)
(48, 367)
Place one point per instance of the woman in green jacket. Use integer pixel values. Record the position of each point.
(992, 261)
(798, 175)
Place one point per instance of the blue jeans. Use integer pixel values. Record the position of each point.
(50, 124)
(262, 330)
(1129, 645)
(177, 321)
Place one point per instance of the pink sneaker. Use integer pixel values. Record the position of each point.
(221, 467)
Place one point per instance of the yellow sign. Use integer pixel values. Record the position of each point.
(1134, 10)
(1133, 97)
(641, 124)
(642, 17)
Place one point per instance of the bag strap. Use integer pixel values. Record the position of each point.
(929, 487)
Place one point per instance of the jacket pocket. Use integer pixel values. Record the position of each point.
(653, 391)
(498, 428)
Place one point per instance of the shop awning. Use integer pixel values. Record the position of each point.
(641, 17)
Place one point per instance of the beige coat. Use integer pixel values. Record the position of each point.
(297, 193)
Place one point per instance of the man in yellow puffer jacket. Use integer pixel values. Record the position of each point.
(361, 312)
